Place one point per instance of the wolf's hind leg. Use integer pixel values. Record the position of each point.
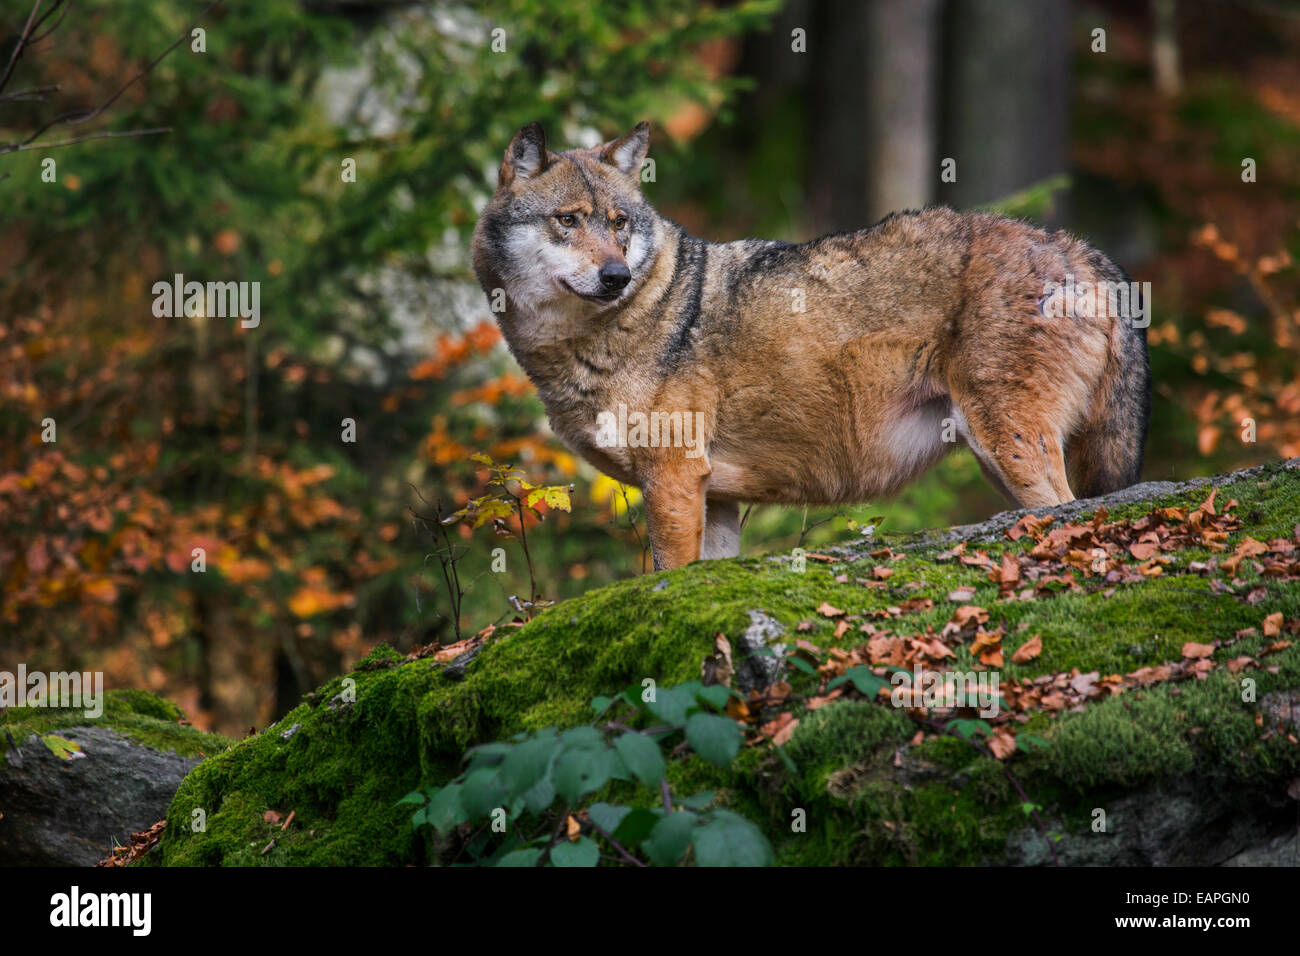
(721, 529)
(1023, 459)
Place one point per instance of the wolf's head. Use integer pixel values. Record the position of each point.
(569, 226)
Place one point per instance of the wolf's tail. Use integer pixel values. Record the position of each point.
(1105, 452)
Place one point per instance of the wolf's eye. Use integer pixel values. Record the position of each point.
(620, 223)
(568, 220)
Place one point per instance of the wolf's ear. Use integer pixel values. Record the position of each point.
(628, 152)
(525, 157)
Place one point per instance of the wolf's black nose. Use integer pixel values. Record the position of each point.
(614, 275)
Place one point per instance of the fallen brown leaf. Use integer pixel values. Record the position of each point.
(1027, 651)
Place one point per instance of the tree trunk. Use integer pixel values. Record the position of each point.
(902, 101)
(1005, 116)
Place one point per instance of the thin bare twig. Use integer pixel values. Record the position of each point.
(809, 527)
(22, 42)
(75, 117)
(105, 134)
(35, 93)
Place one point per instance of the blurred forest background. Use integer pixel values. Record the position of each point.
(776, 119)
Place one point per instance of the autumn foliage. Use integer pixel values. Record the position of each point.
(179, 505)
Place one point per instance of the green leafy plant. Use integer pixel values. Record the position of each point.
(525, 802)
(509, 495)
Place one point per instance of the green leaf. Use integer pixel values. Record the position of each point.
(698, 801)
(581, 852)
(607, 816)
(670, 838)
(445, 809)
(1035, 201)
(716, 739)
(1031, 742)
(541, 796)
(601, 704)
(966, 729)
(866, 682)
(62, 747)
(730, 840)
(715, 695)
(525, 857)
(487, 755)
(415, 796)
(528, 762)
(582, 770)
(482, 793)
(618, 767)
(636, 826)
(671, 705)
(582, 737)
(642, 756)
(632, 697)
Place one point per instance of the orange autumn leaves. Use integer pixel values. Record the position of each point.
(111, 536)
(1262, 402)
(1101, 549)
(452, 350)
(1109, 552)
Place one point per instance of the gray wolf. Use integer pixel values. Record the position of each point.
(827, 372)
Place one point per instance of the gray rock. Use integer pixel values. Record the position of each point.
(69, 812)
(993, 527)
(754, 670)
(1188, 821)
(1282, 850)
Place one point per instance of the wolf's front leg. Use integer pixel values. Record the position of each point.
(674, 510)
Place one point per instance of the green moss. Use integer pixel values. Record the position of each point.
(860, 793)
(144, 717)
(1166, 731)
(844, 734)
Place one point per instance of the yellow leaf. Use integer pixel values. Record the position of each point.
(555, 496)
(488, 509)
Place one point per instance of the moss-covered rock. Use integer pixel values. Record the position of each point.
(71, 785)
(144, 718)
(1217, 750)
